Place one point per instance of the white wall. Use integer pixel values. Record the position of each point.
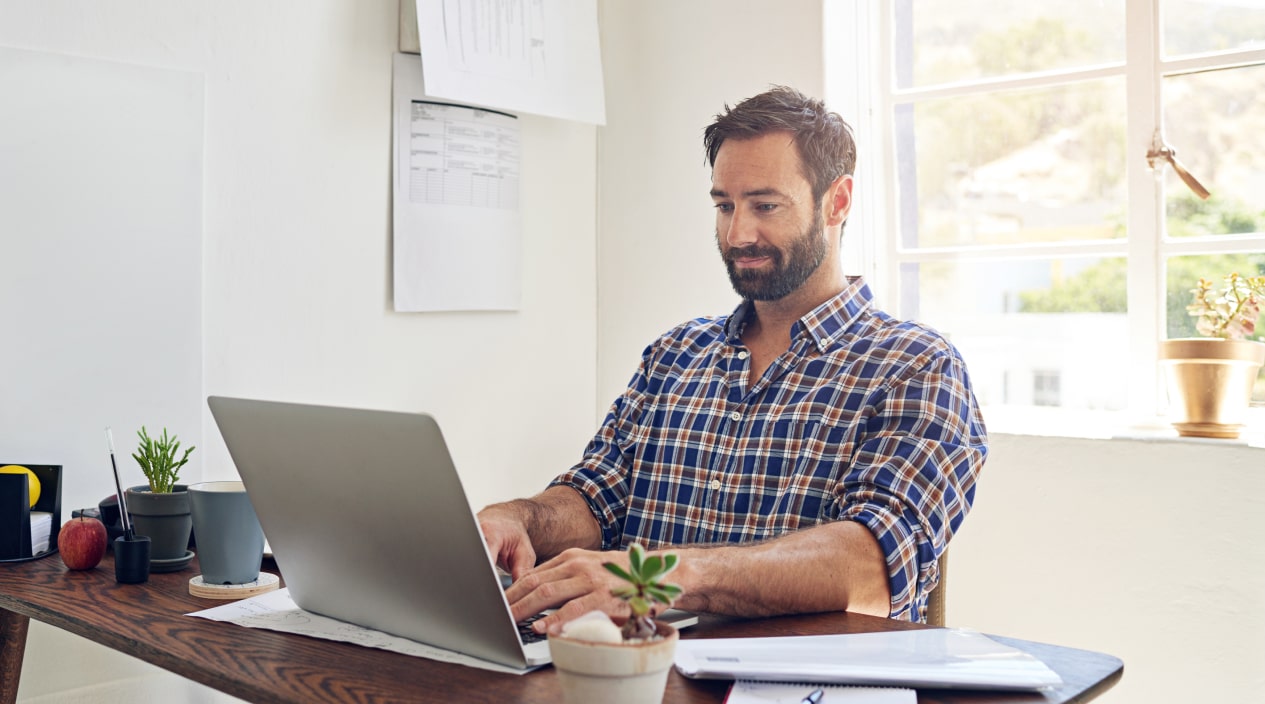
(296, 254)
(1150, 551)
(101, 240)
(670, 66)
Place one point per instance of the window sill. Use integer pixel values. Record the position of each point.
(1107, 425)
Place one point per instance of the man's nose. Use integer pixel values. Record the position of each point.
(740, 230)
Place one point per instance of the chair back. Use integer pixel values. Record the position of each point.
(935, 601)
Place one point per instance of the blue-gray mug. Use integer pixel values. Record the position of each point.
(230, 543)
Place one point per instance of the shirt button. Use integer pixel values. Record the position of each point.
(735, 416)
(715, 484)
(742, 354)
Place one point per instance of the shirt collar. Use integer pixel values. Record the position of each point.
(825, 324)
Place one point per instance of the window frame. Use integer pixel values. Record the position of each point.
(861, 85)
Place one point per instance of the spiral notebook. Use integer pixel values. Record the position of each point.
(752, 692)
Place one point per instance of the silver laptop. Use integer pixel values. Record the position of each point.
(369, 523)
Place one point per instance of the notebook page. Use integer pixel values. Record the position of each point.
(752, 692)
(933, 657)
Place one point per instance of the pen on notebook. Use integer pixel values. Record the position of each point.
(814, 697)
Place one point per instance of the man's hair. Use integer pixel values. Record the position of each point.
(823, 140)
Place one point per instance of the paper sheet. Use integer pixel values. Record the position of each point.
(276, 611)
(456, 225)
(41, 530)
(537, 56)
(749, 692)
(931, 657)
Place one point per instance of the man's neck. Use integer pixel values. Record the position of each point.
(774, 319)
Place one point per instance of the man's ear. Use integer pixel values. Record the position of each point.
(838, 201)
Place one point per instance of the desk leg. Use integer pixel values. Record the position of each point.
(12, 647)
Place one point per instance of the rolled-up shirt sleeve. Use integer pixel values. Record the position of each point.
(912, 476)
(601, 475)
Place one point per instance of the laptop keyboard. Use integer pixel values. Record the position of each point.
(525, 632)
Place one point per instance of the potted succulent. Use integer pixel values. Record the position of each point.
(597, 660)
(1210, 379)
(160, 509)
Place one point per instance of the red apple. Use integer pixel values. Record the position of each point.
(82, 542)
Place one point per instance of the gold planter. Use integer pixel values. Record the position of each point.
(1210, 384)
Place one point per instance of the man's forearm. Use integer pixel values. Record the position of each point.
(556, 519)
(834, 567)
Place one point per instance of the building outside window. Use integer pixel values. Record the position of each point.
(1016, 209)
(1045, 388)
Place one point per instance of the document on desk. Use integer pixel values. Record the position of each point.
(751, 692)
(949, 658)
(276, 611)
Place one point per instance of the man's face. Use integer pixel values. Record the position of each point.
(770, 233)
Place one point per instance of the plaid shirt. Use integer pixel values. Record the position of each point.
(864, 418)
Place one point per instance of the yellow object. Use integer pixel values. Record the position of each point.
(32, 481)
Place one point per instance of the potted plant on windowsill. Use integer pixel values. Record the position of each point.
(1210, 379)
(160, 510)
(597, 660)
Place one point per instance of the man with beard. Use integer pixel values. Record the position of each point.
(807, 453)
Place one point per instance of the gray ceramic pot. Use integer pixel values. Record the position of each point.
(165, 518)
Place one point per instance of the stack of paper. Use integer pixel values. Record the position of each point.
(41, 527)
(933, 657)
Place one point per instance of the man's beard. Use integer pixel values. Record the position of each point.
(806, 253)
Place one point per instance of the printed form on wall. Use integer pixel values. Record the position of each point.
(538, 56)
(456, 185)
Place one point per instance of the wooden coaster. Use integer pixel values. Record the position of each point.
(266, 583)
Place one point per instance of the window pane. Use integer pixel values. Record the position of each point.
(1216, 123)
(1202, 26)
(1017, 167)
(1033, 332)
(1182, 275)
(946, 42)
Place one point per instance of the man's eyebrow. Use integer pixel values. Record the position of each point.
(717, 193)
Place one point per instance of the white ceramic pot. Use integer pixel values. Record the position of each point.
(624, 673)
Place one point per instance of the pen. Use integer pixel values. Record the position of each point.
(814, 697)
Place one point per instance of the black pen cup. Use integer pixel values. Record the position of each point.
(131, 559)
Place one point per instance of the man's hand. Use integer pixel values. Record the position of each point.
(575, 582)
(522, 531)
(507, 540)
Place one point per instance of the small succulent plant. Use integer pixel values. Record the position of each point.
(645, 588)
(1230, 313)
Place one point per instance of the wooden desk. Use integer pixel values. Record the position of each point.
(147, 621)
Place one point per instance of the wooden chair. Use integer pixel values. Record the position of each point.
(935, 602)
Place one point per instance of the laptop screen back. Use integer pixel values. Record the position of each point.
(369, 523)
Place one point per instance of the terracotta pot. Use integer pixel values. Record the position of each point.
(1210, 383)
(626, 673)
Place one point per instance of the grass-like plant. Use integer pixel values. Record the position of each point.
(645, 588)
(157, 459)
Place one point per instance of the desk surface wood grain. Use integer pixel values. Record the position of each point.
(148, 621)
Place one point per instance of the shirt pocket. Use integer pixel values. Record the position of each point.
(805, 461)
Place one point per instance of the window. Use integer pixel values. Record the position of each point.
(1016, 209)
(1045, 387)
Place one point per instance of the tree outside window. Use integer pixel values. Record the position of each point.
(1026, 223)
